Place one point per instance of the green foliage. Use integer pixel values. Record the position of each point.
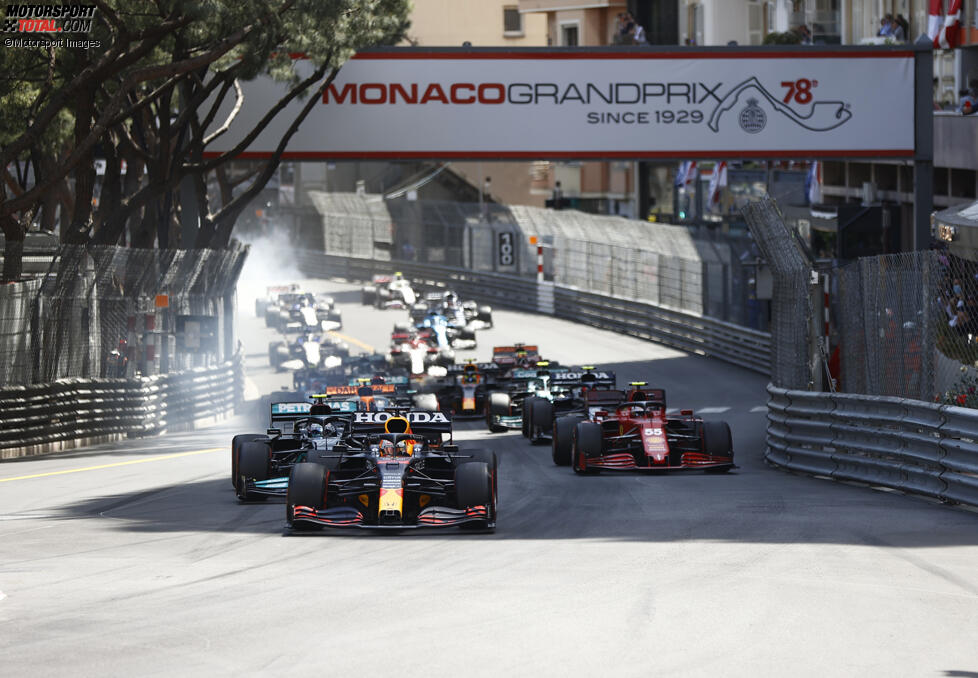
(786, 38)
(964, 393)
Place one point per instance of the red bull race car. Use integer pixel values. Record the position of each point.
(398, 470)
(630, 431)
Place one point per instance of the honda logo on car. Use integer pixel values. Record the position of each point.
(413, 417)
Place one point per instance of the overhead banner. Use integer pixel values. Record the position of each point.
(539, 104)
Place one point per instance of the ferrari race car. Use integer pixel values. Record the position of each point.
(630, 431)
(387, 291)
(260, 463)
(397, 472)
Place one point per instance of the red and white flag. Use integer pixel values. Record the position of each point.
(717, 181)
(944, 29)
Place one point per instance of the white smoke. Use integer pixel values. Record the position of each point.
(270, 262)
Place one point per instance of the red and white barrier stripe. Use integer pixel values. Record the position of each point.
(539, 261)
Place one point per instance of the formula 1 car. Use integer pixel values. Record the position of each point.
(463, 391)
(461, 314)
(515, 357)
(271, 298)
(307, 351)
(303, 312)
(397, 472)
(631, 431)
(387, 291)
(260, 463)
(505, 408)
(563, 392)
(416, 350)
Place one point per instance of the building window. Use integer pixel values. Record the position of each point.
(568, 35)
(512, 21)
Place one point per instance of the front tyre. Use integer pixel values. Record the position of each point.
(307, 487)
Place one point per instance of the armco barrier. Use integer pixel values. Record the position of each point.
(686, 331)
(909, 445)
(68, 413)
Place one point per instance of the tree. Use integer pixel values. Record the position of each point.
(149, 96)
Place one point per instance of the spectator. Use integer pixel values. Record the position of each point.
(804, 34)
(626, 29)
(905, 25)
(886, 26)
(897, 32)
(968, 103)
(638, 33)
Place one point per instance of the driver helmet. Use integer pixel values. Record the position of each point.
(405, 448)
(387, 449)
(329, 431)
(315, 430)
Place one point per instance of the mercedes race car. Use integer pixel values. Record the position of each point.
(562, 391)
(386, 291)
(398, 471)
(260, 463)
(630, 431)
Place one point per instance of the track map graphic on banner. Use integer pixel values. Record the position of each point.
(759, 102)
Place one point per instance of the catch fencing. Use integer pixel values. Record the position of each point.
(103, 312)
(67, 413)
(654, 263)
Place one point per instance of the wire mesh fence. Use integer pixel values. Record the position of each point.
(657, 263)
(791, 308)
(118, 312)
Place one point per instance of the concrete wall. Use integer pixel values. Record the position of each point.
(449, 23)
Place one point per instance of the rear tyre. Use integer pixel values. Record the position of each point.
(541, 417)
(274, 353)
(527, 415)
(307, 487)
(563, 440)
(717, 442)
(236, 443)
(498, 406)
(368, 296)
(253, 460)
(588, 444)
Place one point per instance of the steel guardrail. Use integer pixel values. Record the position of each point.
(908, 445)
(67, 413)
(690, 332)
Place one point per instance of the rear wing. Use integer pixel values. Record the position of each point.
(289, 411)
(360, 390)
(605, 397)
(512, 350)
(584, 378)
(480, 367)
(387, 381)
(423, 423)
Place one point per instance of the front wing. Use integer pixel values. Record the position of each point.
(349, 517)
(624, 461)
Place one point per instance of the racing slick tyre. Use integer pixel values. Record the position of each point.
(563, 439)
(426, 401)
(252, 463)
(485, 315)
(525, 426)
(474, 486)
(498, 406)
(236, 443)
(717, 442)
(307, 487)
(275, 353)
(588, 443)
(368, 296)
(401, 328)
(541, 417)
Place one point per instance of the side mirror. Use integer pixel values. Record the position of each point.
(686, 412)
(451, 449)
(274, 432)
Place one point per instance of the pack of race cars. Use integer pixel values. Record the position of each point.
(367, 443)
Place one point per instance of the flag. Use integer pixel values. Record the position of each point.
(944, 30)
(692, 174)
(718, 180)
(681, 174)
(934, 19)
(813, 187)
